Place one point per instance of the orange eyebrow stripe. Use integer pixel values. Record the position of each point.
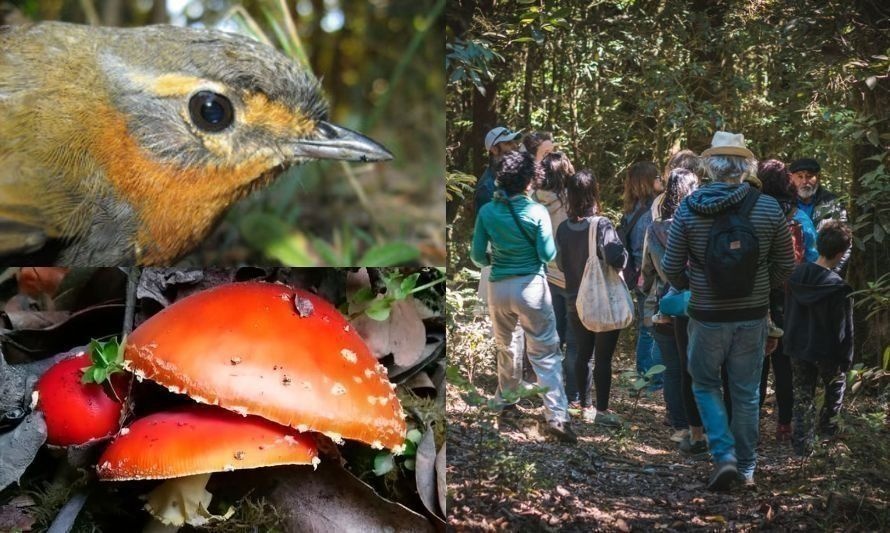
(275, 117)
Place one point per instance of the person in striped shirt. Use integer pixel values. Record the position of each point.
(730, 331)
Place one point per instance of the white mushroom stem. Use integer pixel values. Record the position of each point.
(180, 501)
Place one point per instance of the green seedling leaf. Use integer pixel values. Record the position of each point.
(383, 464)
(107, 358)
(408, 284)
(379, 309)
(409, 464)
(640, 383)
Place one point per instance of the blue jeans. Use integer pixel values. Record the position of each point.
(673, 392)
(740, 347)
(567, 337)
(648, 353)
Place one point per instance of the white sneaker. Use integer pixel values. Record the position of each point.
(588, 414)
(679, 435)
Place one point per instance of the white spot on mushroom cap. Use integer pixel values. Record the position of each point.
(302, 428)
(357, 379)
(349, 355)
(399, 449)
(338, 390)
(315, 462)
(336, 437)
(124, 431)
(229, 468)
(369, 373)
(346, 327)
(377, 445)
(372, 400)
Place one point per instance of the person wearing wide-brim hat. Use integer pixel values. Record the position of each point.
(728, 320)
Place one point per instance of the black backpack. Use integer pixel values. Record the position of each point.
(733, 250)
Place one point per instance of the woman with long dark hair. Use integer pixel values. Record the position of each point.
(551, 193)
(573, 252)
(682, 411)
(521, 238)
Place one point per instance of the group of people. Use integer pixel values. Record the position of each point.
(735, 267)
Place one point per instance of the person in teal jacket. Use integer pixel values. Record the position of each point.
(521, 238)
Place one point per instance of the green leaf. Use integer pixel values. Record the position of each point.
(383, 463)
(390, 254)
(655, 369)
(414, 436)
(276, 239)
(408, 284)
(379, 309)
(409, 464)
(640, 383)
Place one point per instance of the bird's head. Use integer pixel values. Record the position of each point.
(209, 99)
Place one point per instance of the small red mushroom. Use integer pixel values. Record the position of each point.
(77, 412)
(272, 351)
(186, 445)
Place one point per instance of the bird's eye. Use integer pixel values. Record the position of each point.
(211, 111)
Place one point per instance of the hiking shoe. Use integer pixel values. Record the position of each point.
(697, 449)
(747, 482)
(723, 476)
(608, 418)
(588, 414)
(783, 433)
(680, 435)
(562, 431)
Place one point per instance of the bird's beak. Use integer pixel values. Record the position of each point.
(336, 142)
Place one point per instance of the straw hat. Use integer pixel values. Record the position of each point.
(726, 143)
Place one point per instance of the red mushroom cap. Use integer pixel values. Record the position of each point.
(272, 351)
(201, 439)
(77, 412)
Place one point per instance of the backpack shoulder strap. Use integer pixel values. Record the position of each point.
(747, 205)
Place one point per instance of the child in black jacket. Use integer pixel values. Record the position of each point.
(819, 335)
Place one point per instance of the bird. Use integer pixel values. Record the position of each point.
(126, 146)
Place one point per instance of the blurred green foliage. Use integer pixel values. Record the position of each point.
(380, 63)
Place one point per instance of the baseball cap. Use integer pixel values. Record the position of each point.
(805, 164)
(499, 135)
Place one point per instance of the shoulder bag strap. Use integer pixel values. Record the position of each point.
(592, 232)
(519, 224)
(634, 219)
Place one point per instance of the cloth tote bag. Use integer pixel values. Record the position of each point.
(604, 303)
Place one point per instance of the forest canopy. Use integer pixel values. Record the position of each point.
(620, 81)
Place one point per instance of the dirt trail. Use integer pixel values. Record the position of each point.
(633, 478)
